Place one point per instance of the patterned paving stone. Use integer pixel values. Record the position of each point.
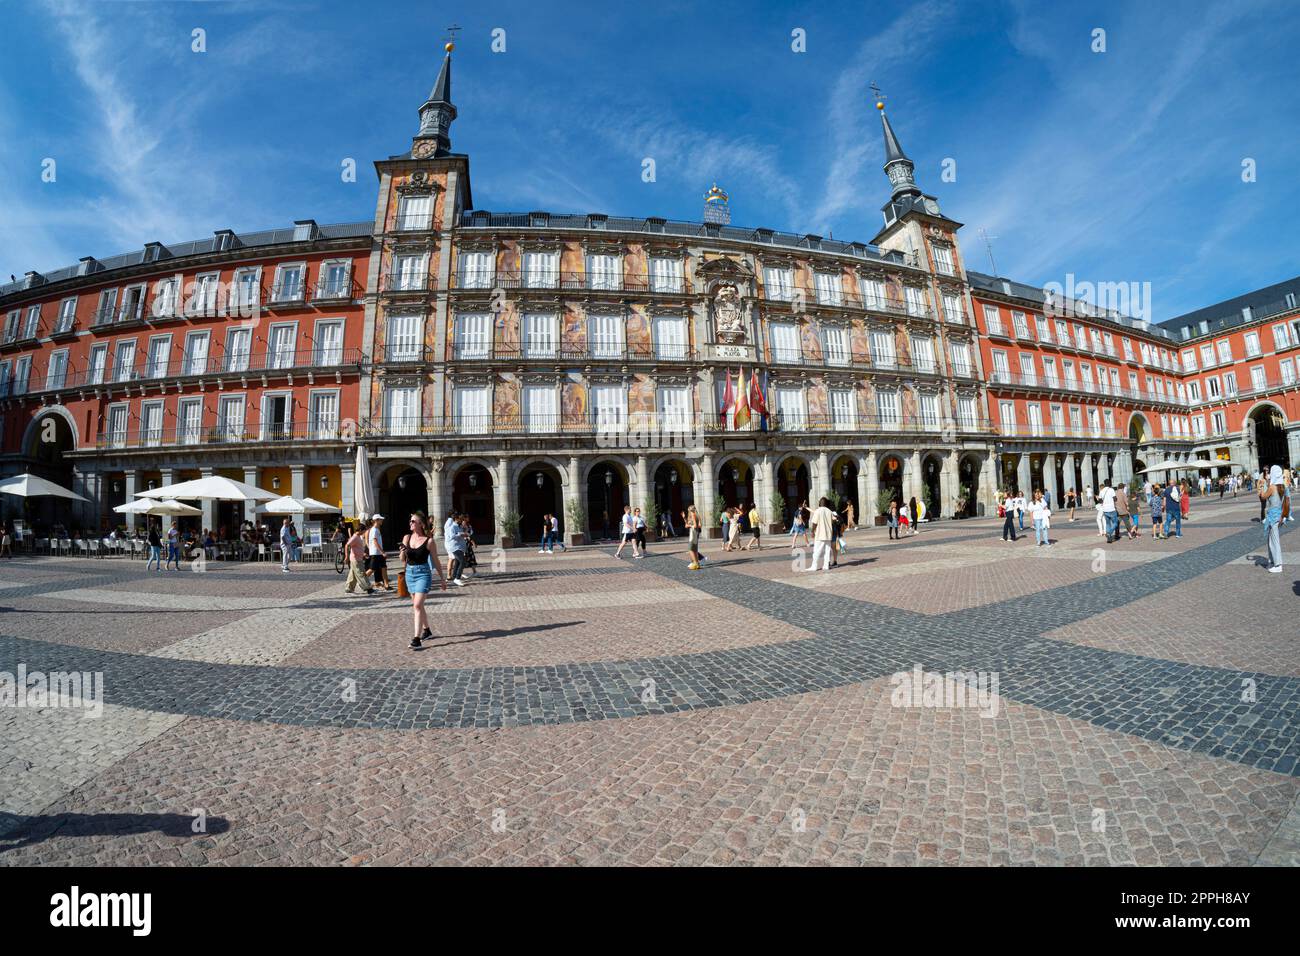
(838, 777)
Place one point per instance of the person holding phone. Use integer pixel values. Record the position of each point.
(420, 554)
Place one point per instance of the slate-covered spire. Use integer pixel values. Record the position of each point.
(438, 111)
(898, 167)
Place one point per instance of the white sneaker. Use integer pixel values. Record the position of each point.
(1276, 569)
(459, 583)
(541, 550)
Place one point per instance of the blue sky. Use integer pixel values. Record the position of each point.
(1122, 166)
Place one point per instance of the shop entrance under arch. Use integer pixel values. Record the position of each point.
(606, 496)
(539, 495)
(1270, 438)
(674, 491)
(844, 482)
(402, 492)
(794, 486)
(472, 493)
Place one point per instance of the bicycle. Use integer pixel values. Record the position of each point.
(341, 560)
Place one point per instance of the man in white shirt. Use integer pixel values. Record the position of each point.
(822, 524)
(1109, 511)
(453, 542)
(375, 550)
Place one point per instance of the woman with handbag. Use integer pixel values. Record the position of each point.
(420, 554)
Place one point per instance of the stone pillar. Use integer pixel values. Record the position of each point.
(132, 521)
(1103, 469)
(766, 501)
(868, 489)
(209, 506)
(1023, 475)
(437, 501)
(912, 486)
(823, 475)
(250, 507)
(298, 481)
(572, 499)
(949, 485)
(348, 489)
(706, 487)
(505, 497)
(1067, 476)
(1049, 480)
(988, 482)
(643, 494)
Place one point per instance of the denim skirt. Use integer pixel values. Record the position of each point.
(419, 579)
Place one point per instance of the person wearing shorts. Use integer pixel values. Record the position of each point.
(627, 532)
(375, 546)
(693, 537)
(638, 523)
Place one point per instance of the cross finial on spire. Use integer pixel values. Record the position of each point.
(451, 33)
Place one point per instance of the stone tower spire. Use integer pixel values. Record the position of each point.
(898, 167)
(437, 113)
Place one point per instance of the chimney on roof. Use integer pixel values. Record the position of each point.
(32, 279)
(86, 266)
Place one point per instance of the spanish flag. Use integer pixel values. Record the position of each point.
(742, 402)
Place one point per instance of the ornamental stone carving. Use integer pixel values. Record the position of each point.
(729, 317)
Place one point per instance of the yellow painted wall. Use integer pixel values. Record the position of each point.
(266, 479)
(332, 495)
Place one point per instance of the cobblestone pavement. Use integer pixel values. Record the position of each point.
(578, 708)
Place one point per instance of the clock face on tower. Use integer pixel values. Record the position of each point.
(423, 148)
(932, 207)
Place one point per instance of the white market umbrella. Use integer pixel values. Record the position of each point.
(289, 505)
(362, 493)
(1196, 465)
(31, 486)
(213, 488)
(316, 507)
(165, 508)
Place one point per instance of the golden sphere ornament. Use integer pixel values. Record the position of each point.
(449, 46)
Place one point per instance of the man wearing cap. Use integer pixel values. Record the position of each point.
(375, 547)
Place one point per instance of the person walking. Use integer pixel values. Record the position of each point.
(1071, 502)
(755, 529)
(904, 520)
(627, 532)
(174, 546)
(1185, 499)
(1107, 510)
(556, 539)
(823, 528)
(155, 548)
(286, 545)
(545, 546)
(1277, 509)
(420, 559)
(693, 537)
(1157, 512)
(891, 519)
(738, 521)
(638, 526)
(1039, 512)
(850, 517)
(1135, 506)
(375, 550)
(355, 547)
(726, 528)
(1009, 520)
(453, 539)
(1173, 510)
(1022, 506)
(6, 542)
(1122, 516)
(914, 515)
(798, 527)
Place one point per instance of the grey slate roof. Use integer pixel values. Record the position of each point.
(1228, 314)
(195, 247)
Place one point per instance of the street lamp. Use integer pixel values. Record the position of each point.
(540, 481)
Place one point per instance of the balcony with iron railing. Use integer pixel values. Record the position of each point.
(141, 372)
(809, 298)
(663, 426)
(412, 223)
(1047, 430)
(615, 354)
(176, 434)
(570, 281)
(1057, 383)
(406, 283)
